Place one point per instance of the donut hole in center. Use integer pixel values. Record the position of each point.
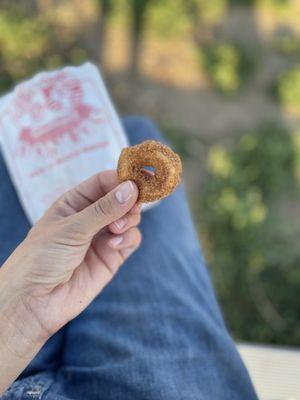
(148, 171)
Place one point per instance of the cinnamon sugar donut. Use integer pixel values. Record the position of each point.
(152, 185)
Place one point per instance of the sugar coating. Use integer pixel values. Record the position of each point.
(167, 166)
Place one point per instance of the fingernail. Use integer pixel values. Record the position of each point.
(124, 192)
(120, 223)
(115, 241)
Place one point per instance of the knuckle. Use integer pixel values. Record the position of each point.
(60, 206)
(104, 208)
(62, 200)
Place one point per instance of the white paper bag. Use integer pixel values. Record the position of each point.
(56, 130)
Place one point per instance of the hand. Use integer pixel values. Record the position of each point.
(71, 254)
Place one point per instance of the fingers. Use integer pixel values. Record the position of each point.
(136, 209)
(123, 224)
(129, 239)
(107, 209)
(126, 243)
(86, 193)
(114, 250)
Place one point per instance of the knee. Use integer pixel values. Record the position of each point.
(139, 129)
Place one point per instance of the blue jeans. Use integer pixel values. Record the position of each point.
(154, 333)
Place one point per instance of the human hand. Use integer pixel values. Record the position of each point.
(71, 254)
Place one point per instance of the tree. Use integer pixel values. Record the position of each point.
(138, 10)
(204, 17)
(106, 9)
(93, 38)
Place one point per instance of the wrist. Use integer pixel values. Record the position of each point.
(20, 336)
(20, 330)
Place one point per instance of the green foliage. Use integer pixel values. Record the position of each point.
(22, 40)
(242, 2)
(227, 65)
(248, 241)
(16, 32)
(181, 141)
(171, 18)
(280, 7)
(167, 18)
(286, 42)
(29, 44)
(288, 90)
(209, 12)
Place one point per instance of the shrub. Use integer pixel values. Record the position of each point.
(29, 44)
(288, 90)
(227, 65)
(209, 12)
(286, 41)
(248, 241)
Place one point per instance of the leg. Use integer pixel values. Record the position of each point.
(13, 229)
(156, 331)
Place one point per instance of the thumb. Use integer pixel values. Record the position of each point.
(107, 209)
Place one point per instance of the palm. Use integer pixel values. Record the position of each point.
(69, 299)
(83, 268)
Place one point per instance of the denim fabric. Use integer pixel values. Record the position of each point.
(154, 333)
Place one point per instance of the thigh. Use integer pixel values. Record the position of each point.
(13, 222)
(13, 228)
(156, 331)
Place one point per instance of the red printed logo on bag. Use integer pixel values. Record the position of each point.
(57, 110)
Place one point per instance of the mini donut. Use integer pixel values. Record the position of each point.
(152, 185)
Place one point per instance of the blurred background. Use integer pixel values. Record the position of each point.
(222, 79)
